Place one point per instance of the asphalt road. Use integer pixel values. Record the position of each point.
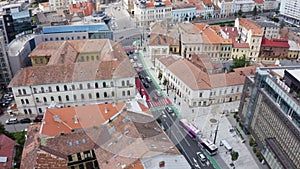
(185, 144)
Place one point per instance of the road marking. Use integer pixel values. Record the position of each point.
(179, 131)
(182, 147)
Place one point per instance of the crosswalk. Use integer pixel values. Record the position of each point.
(159, 102)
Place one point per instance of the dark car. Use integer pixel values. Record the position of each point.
(25, 120)
(169, 109)
(38, 118)
(146, 85)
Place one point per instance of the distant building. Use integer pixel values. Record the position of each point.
(271, 5)
(150, 11)
(64, 83)
(7, 151)
(58, 4)
(244, 5)
(183, 12)
(270, 111)
(163, 40)
(270, 29)
(118, 135)
(274, 49)
(251, 34)
(44, 7)
(227, 7)
(86, 7)
(289, 11)
(16, 21)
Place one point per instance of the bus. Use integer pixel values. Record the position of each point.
(192, 130)
(208, 145)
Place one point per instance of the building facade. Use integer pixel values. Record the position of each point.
(270, 109)
(274, 49)
(146, 12)
(200, 88)
(183, 12)
(5, 71)
(270, 29)
(289, 10)
(251, 34)
(294, 50)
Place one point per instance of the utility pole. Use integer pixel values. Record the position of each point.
(216, 132)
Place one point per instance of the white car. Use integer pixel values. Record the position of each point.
(196, 163)
(201, 157)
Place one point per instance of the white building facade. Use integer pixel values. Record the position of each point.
(146, 12)
(289, 9)
(197, 95)
(34, 95)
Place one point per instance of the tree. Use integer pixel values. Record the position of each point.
(165, 82)
(159, 75)
(239, 62)
(254, 11)
(234, 155)
(240, 12)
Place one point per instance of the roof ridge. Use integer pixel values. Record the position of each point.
(53, 152)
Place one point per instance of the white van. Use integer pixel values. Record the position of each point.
(226, 145)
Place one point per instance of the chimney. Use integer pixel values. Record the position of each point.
(75, 119)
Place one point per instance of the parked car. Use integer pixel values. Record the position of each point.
(201, 157)
(146, 85)
(148, 79)
(169, 109)
(25, 120)
(38, 118)
(196, 163)
(158, 93)
(12, 121)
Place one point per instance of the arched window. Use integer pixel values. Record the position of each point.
(89, 85)
(112, 94)
(75, 97)
(67, 97)
(104, 84)
(80, 86)
(26, 101)
(90, 96)
(128, 93)
(57, 88)
(50, 89)
(22, 101)
(123, 93)
(82, 96)
(65, 88)
(29, 110)
(42, 89)
(34, 90)
(25, 111)
(97, 95)
(123, 83)
(40, 110)
(19, 91)
(45, 99)
(24, 91)
(96, 85)
(111, 84)
(105, 94)
(59, 98)
(52, 98)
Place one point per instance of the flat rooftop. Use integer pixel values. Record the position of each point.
(75, 28)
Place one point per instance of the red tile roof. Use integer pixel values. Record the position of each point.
(66, 122)
(240, 45)
(232, 32)
(7, 146)
(275, 43)
(207, 2)
(259, 1)
(247, 24)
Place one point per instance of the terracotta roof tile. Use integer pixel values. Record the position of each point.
(259, 1)
(240, 45)
(7, 147)
(199, 80)
(66, 117)
(232, 32)
(78, 72)
(207, 2)
(250, 26)
(274, 43)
